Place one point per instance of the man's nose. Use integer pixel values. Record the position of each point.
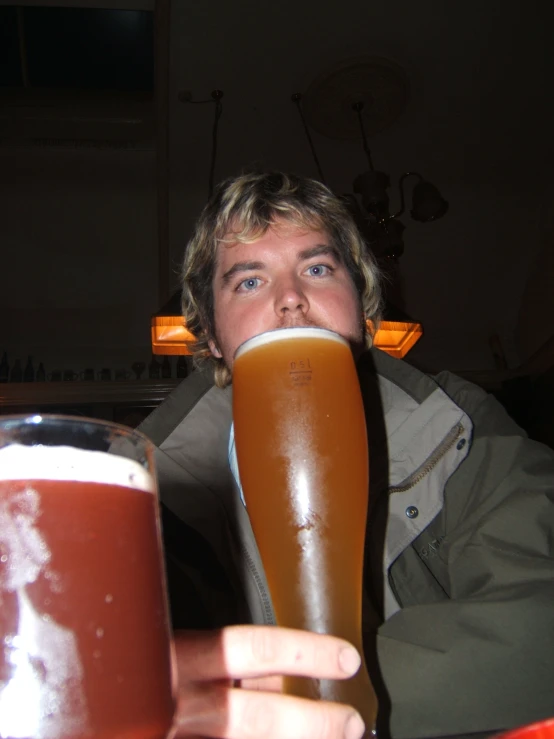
(291, 299)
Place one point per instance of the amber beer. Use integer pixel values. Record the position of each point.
(83, 618)
(303, 462)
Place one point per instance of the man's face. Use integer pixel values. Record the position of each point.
(289, 277)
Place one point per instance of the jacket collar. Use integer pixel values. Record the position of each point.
(408, 415)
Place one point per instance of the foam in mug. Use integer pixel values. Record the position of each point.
(20, 462)
(81, 585)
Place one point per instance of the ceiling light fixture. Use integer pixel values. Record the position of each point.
(357, 98)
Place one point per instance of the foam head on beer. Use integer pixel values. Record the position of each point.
(40, 462)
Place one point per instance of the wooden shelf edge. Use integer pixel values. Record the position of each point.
(40, 394)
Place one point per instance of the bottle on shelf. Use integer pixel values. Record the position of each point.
(4, 368)
(138, 368)
(182, 366)
(154, 369)
(166, 367)
(29, 373)
(16, 374)
(41, 373)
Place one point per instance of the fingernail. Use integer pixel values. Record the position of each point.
(354, 728)
(349, 660)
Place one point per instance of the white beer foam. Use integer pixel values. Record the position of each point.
(20, 462)
(297, 332)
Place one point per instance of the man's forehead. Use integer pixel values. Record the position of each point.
(283, 230)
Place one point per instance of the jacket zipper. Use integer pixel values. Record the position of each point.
(269, 618)
(419, 474)
(432, 462)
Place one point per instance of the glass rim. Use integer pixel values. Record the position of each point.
(295, 332)
(58, 443)
(36, 419)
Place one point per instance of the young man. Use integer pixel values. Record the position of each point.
(459, 567)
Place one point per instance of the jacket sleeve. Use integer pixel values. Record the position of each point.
(481, 659)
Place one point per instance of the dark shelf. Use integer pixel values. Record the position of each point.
(42, 394)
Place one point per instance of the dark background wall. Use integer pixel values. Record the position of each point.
(79, 230)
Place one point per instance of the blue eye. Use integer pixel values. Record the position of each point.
(318, 270)
(251, 283)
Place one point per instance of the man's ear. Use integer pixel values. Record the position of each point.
(214, 350)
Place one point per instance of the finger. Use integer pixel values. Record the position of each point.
(225, 713)
(270, 684)
(255, 651)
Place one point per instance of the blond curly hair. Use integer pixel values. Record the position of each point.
(242, 209)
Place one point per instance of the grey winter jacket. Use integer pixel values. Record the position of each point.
(459, 571)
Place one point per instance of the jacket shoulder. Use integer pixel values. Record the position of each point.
(419, 384)
(178, 404)
(463, 392)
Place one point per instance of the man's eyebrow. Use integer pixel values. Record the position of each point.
(240, 267)
(320, 250)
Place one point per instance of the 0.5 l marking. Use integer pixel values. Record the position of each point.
(300, 371)
(300, 366)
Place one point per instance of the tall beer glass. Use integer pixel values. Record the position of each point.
(83, 613)
(302, 454)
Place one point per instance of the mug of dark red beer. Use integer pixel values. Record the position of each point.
(83, 611)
